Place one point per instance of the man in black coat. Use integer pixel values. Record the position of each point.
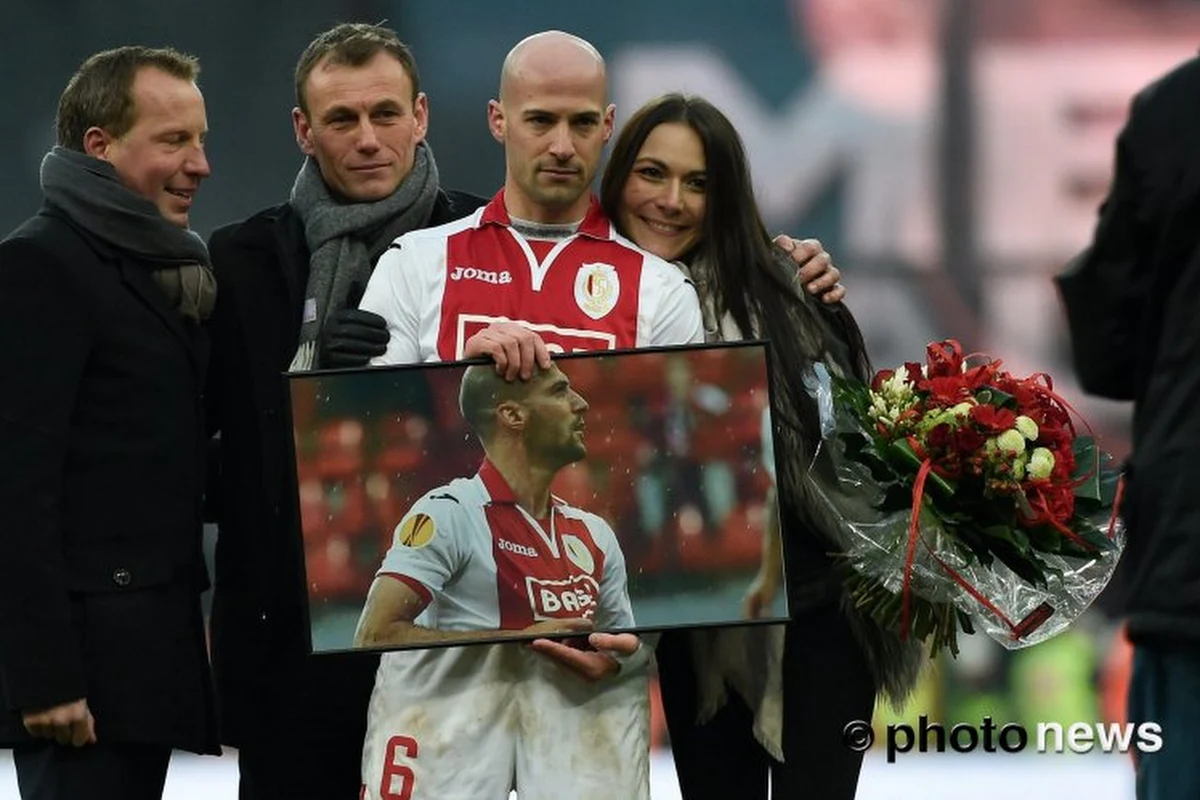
(291, 277)
(103, 668)
(1131, 301)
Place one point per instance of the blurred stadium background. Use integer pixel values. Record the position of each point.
(950, 153)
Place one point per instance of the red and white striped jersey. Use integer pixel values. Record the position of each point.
(481, 562)
(591, 291)
(466, 722)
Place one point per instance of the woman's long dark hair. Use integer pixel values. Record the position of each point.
(750, 278)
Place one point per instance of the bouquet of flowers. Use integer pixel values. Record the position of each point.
(964, 494)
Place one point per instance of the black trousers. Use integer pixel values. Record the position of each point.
(312, 747)
(316, 765)
(50, 771)
(826, 684)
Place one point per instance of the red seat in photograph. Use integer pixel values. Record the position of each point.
(696, 550)
(587, 375)
(713, 366)
(386, 506)
(339, 449)
(348, 506)
(740, 537)
(314, 512)
(332, 572)
(618, 446)
(643, 375)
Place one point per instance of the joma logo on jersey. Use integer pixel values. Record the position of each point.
(519, 549)
(575, 597)
(476, 274)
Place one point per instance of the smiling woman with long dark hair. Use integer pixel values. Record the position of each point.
(678, 184)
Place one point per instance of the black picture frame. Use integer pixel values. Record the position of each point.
(675, 466)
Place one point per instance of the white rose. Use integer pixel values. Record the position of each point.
(1011, 442)
(1041, 463)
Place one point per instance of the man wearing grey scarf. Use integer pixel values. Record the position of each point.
(102, 443)
(291, 277)
(88, 190)
(346, 239)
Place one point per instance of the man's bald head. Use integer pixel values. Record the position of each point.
(550, 53)
(553, 118)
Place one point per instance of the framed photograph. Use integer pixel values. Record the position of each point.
(616, 491)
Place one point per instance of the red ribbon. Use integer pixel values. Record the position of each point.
(914, 533)
(950, 351)
(1112, 519)
(1046, 516)
(971, 590)
(917, 449)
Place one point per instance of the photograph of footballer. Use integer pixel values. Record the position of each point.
(615, 491)
(482, 556)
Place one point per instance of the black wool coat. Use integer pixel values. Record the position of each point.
(101, 486)
(259, 638)
(1131, 299)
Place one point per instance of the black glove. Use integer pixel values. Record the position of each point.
(351, 338)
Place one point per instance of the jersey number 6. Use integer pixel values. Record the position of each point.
(403, 789)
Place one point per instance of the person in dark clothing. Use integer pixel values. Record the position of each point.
(291, 277)
(1131, 300)
(103, 668)
(745, 702)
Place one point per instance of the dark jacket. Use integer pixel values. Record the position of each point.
(259, 632)
(1132, 299)
(101, 483)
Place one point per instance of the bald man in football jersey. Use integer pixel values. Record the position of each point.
(490, 554)
(538, 269)
(541, 257)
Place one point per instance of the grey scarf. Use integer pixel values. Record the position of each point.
(88, 190)
(345, 238)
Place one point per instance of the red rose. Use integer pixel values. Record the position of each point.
(940, 437)
(968, 440)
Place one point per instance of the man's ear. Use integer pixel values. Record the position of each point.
(610, 118)
(421, 115)
(304, 132)
(96, 142)
(496, 120)
(511, 415)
